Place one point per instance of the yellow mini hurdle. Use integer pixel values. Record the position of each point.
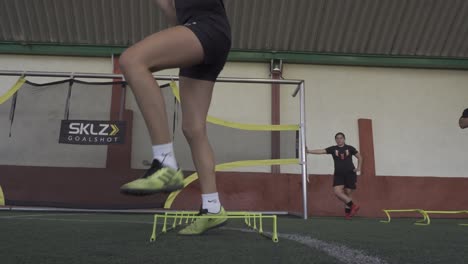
(425, 214)
(187, 217)
(420, 211)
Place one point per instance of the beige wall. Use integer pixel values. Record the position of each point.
(37, 124)
(415, 116)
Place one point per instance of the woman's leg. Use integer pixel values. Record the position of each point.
(171, 48)
(340, 194)
(195, 98)
(354, 208)
(349, 193)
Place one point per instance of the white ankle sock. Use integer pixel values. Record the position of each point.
(211, 203)
(165, 154)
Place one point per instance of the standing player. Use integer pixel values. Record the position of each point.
(345, 176)
(198, 43)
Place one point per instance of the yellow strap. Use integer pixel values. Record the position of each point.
(2, 197)
(226, 166)
(252, 163)
(448, 212)
(4, 97)
(403, 210)
(221, 122)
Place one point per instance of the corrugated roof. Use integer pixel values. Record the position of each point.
(436, 28)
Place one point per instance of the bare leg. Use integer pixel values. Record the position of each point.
(171, 48)
(195, 102)
(195, 96)
(340, 194)
(349, 193)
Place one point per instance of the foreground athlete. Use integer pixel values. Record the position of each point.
(198, 42)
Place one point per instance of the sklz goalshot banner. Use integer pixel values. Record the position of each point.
(85, 132)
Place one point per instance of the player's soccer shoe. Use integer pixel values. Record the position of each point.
(354, 209)
(202, 225)
(348, 216)
(156, 179)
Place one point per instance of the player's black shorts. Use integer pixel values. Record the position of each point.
(347, 179)
(214, 33)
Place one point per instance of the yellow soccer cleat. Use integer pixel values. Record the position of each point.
(156, 179)
(201, 225)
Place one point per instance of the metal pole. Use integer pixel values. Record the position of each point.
(67, 102)
(122, 101)
(303, 155)
(158, 77)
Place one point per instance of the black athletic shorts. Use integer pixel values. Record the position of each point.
(214, 33)
(347, 179)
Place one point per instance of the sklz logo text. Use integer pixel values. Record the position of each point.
(90, 129)
(85, 132)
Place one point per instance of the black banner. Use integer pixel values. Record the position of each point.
(86, 132)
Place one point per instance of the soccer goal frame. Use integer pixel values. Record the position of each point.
(299, 91)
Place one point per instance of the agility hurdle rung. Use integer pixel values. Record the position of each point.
(447, 212)
(425, 213)
(179, 218)
(419, 222)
